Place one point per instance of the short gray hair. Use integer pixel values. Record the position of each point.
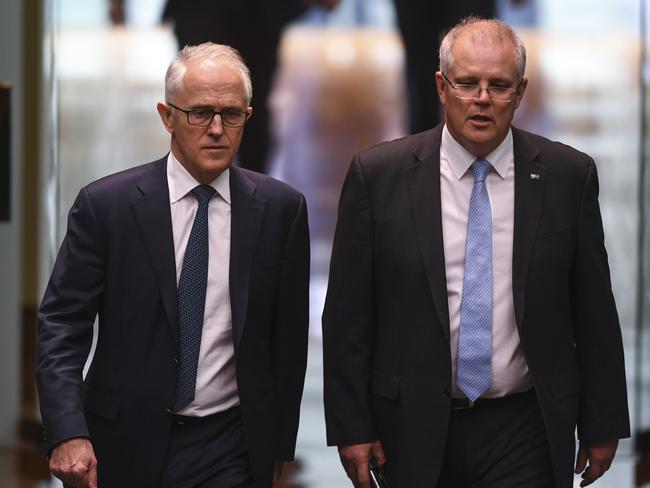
(494, 29)
(219, 53)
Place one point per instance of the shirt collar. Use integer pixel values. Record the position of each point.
(181, 182)
(460, 159)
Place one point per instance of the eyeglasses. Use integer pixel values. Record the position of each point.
(203, 117)
(472, 91)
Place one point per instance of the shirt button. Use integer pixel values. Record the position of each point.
(446, 392)
(175, 362)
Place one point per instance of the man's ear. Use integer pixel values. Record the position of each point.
(440, 86)
(520, 93)
(166, 116)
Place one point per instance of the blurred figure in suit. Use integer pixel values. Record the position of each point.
(254, 28)
(422, 24)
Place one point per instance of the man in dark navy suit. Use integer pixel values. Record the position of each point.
(198, 272)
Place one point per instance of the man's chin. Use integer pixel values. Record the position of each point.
(212, 170)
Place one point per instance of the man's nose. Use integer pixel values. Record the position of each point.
(216, 125)
(483, 95)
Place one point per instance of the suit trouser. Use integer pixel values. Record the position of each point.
(498, 444)
(422, 24)
(208, 452)
(243, 26)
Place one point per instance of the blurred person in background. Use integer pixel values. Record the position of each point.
(469, 325)
(422, 23)
(198, 272)
(254, 28)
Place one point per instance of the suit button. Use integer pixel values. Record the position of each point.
(446, 392)
(168, 411)
(175, 362)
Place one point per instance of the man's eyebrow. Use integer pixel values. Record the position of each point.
(501, 80)
(472, 79)
(467, 79)
(225, 106)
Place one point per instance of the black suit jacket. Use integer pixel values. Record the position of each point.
(386, 320)
(117, 262)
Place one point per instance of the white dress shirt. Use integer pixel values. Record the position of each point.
(509, 369)
(216, 385)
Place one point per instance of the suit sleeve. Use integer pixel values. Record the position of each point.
(65, 325)
(348, 318)
(603, 402)
(292, 331)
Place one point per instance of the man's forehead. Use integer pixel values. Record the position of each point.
(481, 50)
(208, 72)
(483, 34)
(206, 65)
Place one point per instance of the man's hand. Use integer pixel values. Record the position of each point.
(355, 459)
(600, 455)
(73, 462)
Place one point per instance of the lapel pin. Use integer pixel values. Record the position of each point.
(534, 176)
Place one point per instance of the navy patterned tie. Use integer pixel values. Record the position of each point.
(191, 298)
(474, 360)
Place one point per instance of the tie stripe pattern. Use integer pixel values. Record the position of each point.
(474, 360)
(191, 298)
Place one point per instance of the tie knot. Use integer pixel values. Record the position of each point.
(203, 193)
(480, 169)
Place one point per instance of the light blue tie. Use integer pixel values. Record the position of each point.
(191, 298)
(474, 359)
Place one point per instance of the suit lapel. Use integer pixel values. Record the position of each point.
(153, 218)
(247, 215)
(530, 182)
(424, 190)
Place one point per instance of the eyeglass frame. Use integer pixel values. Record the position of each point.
(187, 113)
(480, 90)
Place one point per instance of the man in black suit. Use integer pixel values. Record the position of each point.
(469, 325)
(198, 271)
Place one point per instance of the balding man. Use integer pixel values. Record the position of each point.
(198, 272)
(469, 325)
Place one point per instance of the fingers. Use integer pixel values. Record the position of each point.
(362, 474)
(77, 475)
(92, 477)
(600, 455)
(73, 462)
(593, 472)
(354, 459)
(581, 460)
(377, 452)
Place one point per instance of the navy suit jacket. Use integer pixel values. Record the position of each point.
(117, 262)
(386, 320)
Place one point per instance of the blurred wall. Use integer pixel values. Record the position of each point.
(11, 14)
